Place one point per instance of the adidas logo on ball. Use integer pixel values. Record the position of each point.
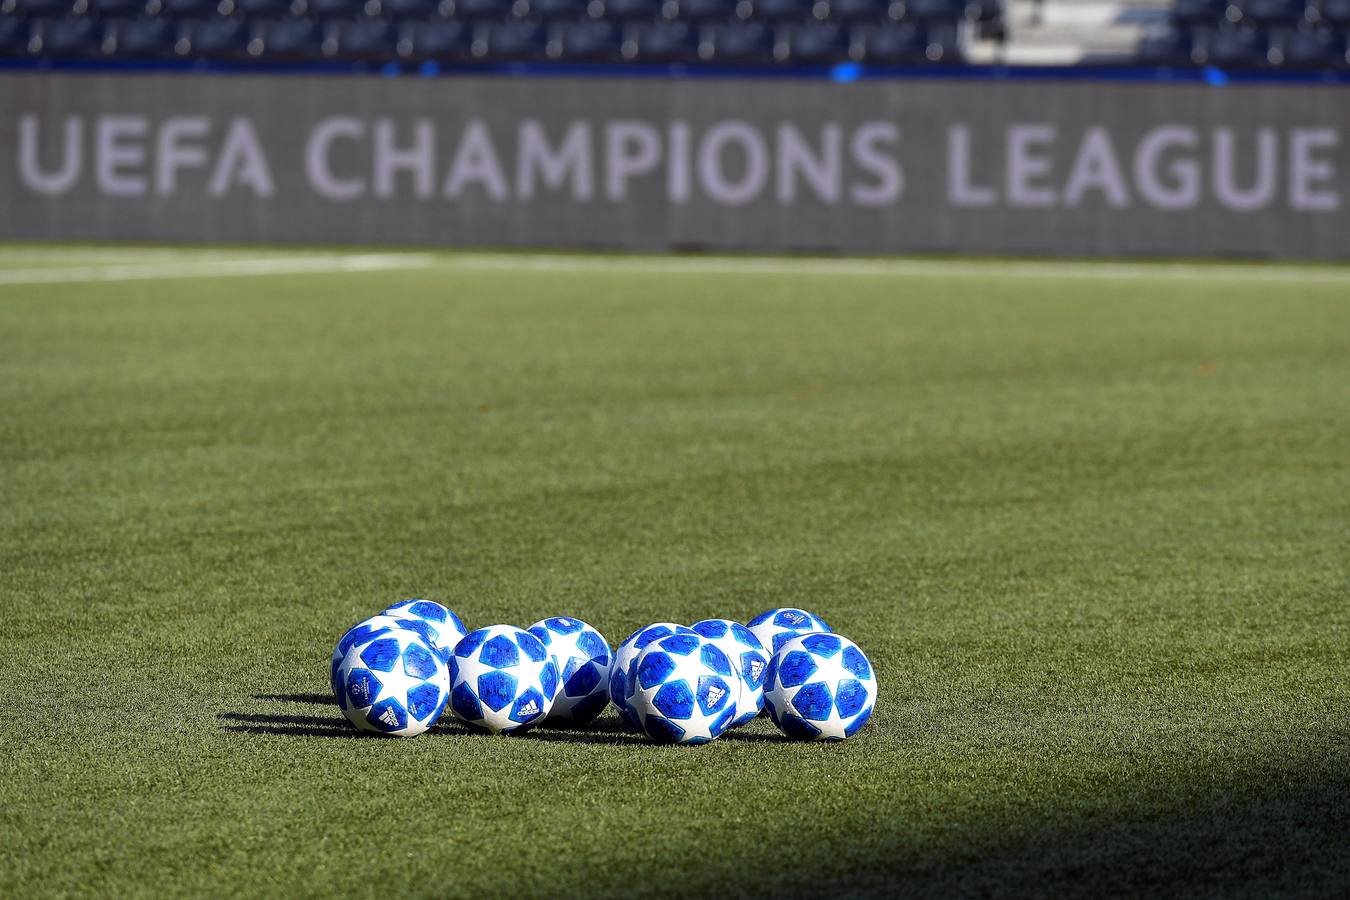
(530, 709)
(795, 618)
(715, 694)
(756, 667)
(389, 718)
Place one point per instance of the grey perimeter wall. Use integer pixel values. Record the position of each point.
(653, 164)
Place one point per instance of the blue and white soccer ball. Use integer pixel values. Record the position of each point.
(820, 687)
(620, 682)
(583, 658)
(774, 627)
(448, 628)
(684, 690)
(747, 656)
(363, 631)
(391, 682)
(502, 680)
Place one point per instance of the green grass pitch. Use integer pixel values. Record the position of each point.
(1092, 525)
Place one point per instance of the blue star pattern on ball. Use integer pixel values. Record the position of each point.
(774, 627)
(619, 673)
(684, 690)
(364, 630)
(391, 682)
(447, 629)
(820, 687)
(503, 680)
(583, 658)
(747, 656)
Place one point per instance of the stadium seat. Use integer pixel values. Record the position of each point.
(142, 38)
(1171, 47)
(365, 40)
(591, 41)
(1317, 49)
(1237, 48)
(408, 9)
(441, 41)
(76, 38)
(662, 42)
(14, 35)
(551, 10)
(739, 43)
(859, 10)
(111, 9)
(289, 39)
(508, 42)
(701, 10)
(334, 9)
(480, 9)
(783, 10)
(184, 9)
(935, 10)
(1199, 12)
(892, 44)
(632, 10)
(216, 38)
(37, 8)
(1270, 12)
(817, 44)
(1336, 12)
(263, 9)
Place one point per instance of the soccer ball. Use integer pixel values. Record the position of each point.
(684, 690)
(392, 682)
(748, 658)
(502, 680)
(583, 658)
(620, 685)
(820, 687)
(447, 626)
(363, 631)
(774, 627)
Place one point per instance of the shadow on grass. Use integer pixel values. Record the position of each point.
(288, 725)
(1277, 832)
(313, 699)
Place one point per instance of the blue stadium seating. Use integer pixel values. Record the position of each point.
(1315, 49)
(263, 9)
(36, 8)
(595, 40)
(875, 11)
(1334, 12)
(367, 40)
(440, 41)
(816, 43)
(290, 39)
(663, 42)
(894, 44)
(216, 38)
(142, 38)
(124, 9)
(632, 10)
(14, 35)
(409, 32)
(738, 43)
(1253, 34)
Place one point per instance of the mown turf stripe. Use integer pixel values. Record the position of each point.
(217, 268)
(724, 265)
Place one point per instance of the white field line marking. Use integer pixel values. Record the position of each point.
(218, 268)
(987, 269)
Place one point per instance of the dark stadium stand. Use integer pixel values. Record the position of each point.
(413, 32)
(1253, 35)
